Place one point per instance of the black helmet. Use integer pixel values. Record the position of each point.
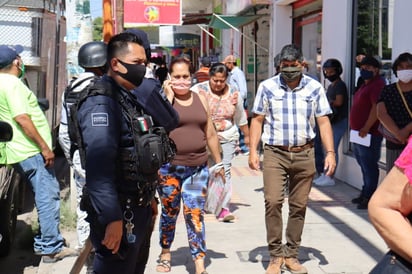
(92, 55)
(333, 63)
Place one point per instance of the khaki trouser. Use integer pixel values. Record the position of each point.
(278, 165)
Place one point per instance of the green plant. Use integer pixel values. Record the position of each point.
(68, 217)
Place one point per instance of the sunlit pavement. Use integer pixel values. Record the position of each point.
(337, 237)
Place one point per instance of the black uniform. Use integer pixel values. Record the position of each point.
(111, 180)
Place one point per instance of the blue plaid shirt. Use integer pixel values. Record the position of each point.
(290, 114)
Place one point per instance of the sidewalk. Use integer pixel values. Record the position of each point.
(337, 237)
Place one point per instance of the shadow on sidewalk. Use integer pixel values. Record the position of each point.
(323, 201)
(181, 256)
(261, 254)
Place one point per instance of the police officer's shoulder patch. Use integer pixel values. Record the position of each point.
(100, 119)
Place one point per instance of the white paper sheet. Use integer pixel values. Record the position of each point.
(355, 138)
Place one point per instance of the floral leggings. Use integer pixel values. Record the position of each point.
(190, 185)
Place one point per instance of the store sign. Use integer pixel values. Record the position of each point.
(152, 12)
(186, 40)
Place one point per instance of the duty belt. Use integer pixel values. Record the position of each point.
(143, 196)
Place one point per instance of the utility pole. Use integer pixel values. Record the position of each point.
(112, 22)
(119, 16)
(107, 21)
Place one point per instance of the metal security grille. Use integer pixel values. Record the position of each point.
(22, 28)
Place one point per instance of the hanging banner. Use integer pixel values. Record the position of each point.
(152, 12)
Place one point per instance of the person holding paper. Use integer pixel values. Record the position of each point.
(363, 118)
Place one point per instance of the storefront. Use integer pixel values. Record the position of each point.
(337, 29)
(324, 29)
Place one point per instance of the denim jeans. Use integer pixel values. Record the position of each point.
(47, 199)
(367, 158)
(242, 145)
(339, 130)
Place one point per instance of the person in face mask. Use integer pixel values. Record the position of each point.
(226, 107)
(186, 177)
(338, 99)
(363, 119)
(30, 152)
(287, 106)
(392, 111)
(119, 213)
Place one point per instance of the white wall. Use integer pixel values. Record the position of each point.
(336, 33)
(402, 40)
(280, 32)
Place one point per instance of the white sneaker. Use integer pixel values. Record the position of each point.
(325, 181)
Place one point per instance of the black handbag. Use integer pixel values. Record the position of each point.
(392, 263)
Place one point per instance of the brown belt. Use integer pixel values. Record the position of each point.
(296, 148)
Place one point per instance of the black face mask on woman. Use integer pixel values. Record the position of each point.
(332, 78)
(135, 73)
(366, 74)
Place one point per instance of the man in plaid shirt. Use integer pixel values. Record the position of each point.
(287, 105)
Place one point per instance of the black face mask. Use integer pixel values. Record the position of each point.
(135, 73)
(366, 74)
(332, 78)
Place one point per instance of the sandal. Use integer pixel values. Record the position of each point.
(163, 265)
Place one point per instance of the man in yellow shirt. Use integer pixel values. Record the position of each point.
(30, 153)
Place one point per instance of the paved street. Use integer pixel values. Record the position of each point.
(337, 237)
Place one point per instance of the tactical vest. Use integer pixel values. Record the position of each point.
(142, 153)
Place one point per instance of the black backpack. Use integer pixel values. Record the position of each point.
(152, 143)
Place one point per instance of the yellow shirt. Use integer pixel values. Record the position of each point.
(16, 99)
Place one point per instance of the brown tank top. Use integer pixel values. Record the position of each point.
(190, 135)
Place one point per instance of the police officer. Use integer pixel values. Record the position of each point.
(92, 58)
(119, 215)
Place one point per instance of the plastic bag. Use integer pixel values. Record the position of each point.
(216, 190)
(215, 194)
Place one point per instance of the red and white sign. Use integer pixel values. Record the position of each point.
(152, 12)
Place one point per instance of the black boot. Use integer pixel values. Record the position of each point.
(357, 200)
(363, 204)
